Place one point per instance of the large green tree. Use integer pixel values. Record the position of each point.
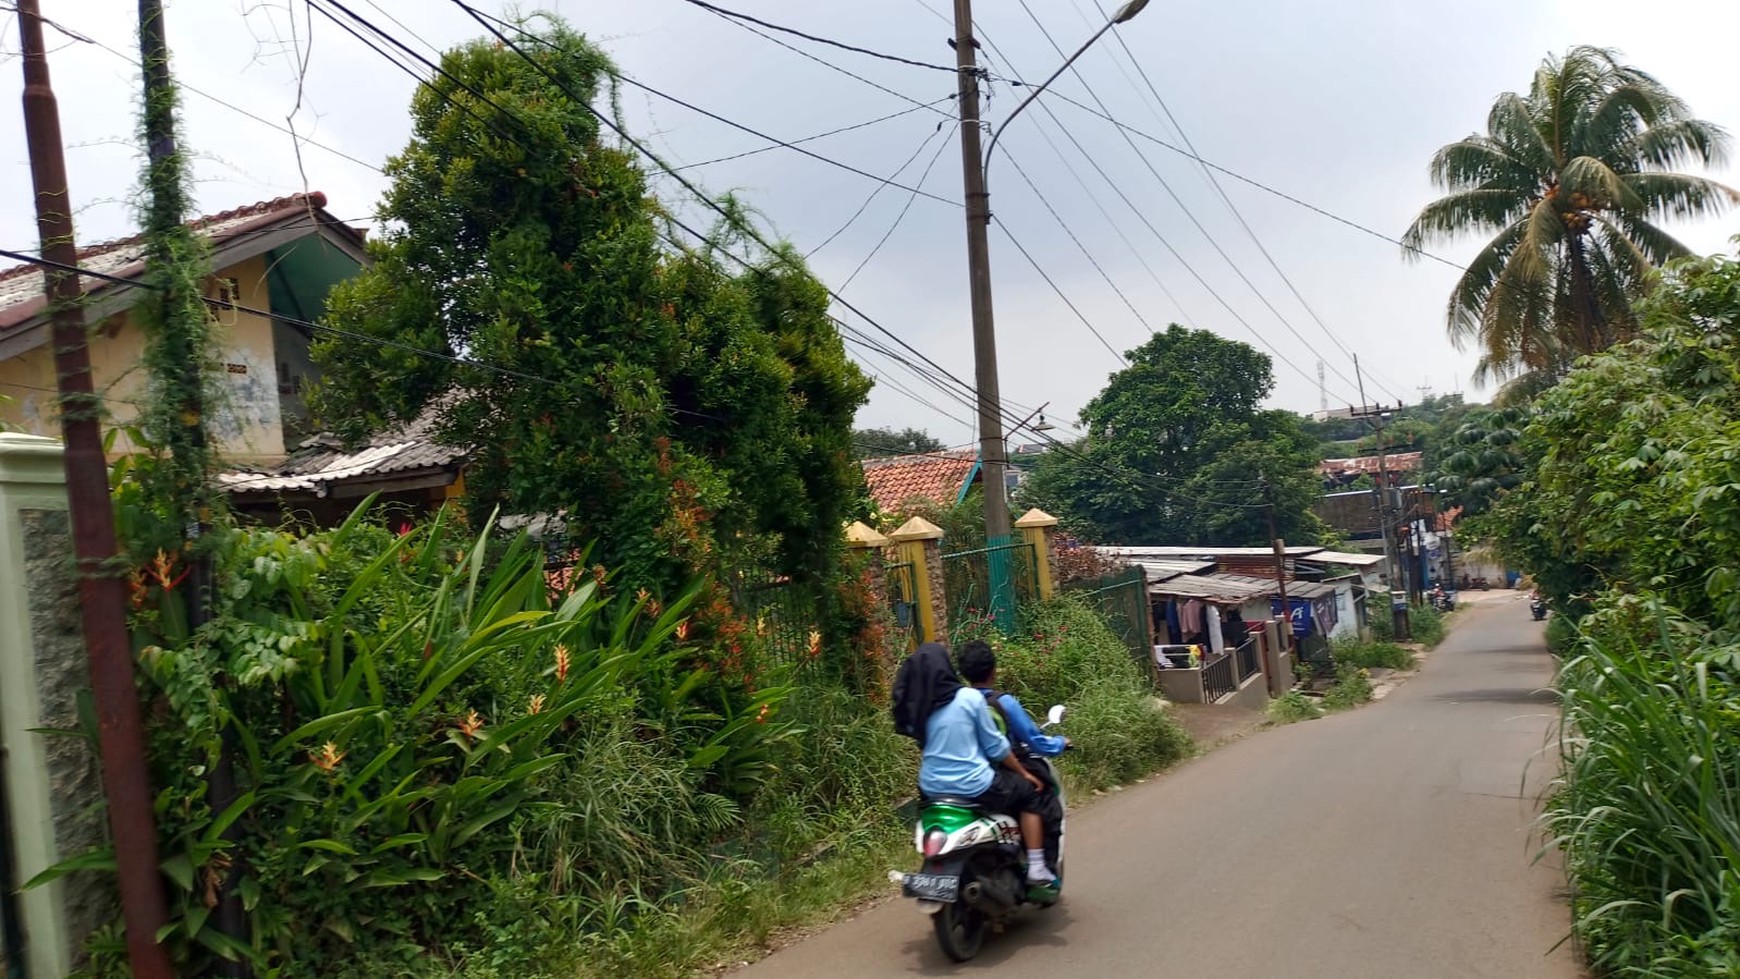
(873, 442)
(1637, 460)
(687, 415)
(1180, 451)
(1570, 180)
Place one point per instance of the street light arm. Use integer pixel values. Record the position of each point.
(1035, 93)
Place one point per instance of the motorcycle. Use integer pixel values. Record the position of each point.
(974, 876)
(1443, 601)
(1538, 609)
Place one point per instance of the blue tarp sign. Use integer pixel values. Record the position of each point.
(1301, 614)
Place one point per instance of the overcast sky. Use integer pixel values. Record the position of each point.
(1339, 104)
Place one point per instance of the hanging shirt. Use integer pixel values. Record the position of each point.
(1191, 617)
(1216, 641)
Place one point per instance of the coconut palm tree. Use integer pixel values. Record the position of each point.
(1570, 180)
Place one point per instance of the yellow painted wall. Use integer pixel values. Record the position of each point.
(247, 426)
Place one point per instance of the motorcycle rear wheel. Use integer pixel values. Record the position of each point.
(960, 930)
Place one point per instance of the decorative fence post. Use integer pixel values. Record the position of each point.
(51, 785)
(863, 539)
(920, 543)
(1038, 528)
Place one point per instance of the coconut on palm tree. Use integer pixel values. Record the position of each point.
(1571, 180)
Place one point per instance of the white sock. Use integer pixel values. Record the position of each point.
(1036, 869)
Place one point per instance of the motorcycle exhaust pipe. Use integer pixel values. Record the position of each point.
(987, 896)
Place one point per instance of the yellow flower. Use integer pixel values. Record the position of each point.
(327, 758)
(683, 631)
(470, 724)
(536, 704)
(815, 642)
(561, 663)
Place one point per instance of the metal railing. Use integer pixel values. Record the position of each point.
(1250, 659)
(1218, 678)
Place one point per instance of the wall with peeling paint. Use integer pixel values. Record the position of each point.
(247, 424)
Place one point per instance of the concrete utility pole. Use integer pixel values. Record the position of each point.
(993, 458)
(102, 598)
(993, 454)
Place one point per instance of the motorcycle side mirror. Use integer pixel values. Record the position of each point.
(1054, 716)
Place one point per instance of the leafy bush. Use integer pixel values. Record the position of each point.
(1352, 687)
(1293, 706)
(1066, 654)
(1372, 655)
(1647, 812)
(1562, 635)
(414, 725)
(1427, 625)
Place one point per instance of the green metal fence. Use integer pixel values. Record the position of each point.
(785, 615)
(990, 581)
(1122, 597)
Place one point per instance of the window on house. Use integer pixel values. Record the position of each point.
(227, 292)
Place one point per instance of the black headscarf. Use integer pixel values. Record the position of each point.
(925, 682)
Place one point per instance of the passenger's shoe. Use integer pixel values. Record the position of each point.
(1044, 893)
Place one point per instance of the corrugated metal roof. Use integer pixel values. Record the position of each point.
(1232, 589)
(1202, 553)
(1219, 588)
(319, 464)
(1352, 559)
(1163, 570)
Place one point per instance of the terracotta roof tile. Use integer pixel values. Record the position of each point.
(21, 285)
(935, 476)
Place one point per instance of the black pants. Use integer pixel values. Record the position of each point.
(1011, 793)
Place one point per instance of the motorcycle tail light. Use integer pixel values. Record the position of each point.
(934, 842)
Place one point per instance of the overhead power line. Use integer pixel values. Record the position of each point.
(748, 231)
(832, 132)
(1176, 199)
(734, 15)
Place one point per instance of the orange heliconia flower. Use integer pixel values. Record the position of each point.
(470, 724)
(683, 631)
(815, 647)
(327, 758)
(536, 704)
(561, 663)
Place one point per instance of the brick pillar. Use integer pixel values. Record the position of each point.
(865, 541)
(1039, 529)
(920, 544)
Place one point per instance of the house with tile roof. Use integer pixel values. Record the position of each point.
(275, 260)
(932, 477)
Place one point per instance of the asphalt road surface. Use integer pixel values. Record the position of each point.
(1391, 841)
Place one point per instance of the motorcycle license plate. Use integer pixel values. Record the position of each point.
(931, 887)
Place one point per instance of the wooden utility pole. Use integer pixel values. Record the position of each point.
(102, 597)
(1374, 415)
(1280, 565)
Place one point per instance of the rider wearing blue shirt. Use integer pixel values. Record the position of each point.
(978, 666)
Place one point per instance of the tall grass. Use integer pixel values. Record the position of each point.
(1647, 810)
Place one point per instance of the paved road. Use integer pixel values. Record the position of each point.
(1393, 841)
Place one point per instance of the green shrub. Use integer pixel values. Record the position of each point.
(1647, 812)
(1372, 655)
(1066, 654)
(1427, 625)
(1352, 687)
(1561, 635)
(1293, 706)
